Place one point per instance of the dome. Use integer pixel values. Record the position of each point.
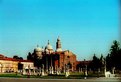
(49, 47)
(46, 50)
(42, 49)
(58, 50)
(37, 49)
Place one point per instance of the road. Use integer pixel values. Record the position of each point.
(59, 80)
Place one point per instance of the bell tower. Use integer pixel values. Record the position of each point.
(58, 45)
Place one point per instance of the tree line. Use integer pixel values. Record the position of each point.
(111, 61)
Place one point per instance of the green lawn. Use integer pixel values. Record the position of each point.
(61, 76)
(10, 75)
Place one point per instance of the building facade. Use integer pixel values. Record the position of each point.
(9, 65)
(53, 60)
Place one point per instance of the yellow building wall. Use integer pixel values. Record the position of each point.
(8, 66)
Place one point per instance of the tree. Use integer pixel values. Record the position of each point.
(113, 58)
(101, 64)
(17, 57)
(95, 63)
(114, 48)
(108, 62)
(20, 58)
(29, 57)
(37, 60)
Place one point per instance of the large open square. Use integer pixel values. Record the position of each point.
(59, 80)
(60, 40)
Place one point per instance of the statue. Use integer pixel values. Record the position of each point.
(42, 70)
(67, 71)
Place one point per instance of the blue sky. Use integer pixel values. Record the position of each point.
(84, 26)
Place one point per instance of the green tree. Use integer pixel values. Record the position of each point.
(108, 62)
(17, 57)
(101, 64)
(29, 57)
(95, 63)
(113, 58)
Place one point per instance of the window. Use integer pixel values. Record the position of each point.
(68, 56)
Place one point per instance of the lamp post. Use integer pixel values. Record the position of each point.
(104, 65)
(85, 70)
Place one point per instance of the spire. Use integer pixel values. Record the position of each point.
(58, 45)
(48, 42)
(58, 38)
(37, 45)
(42, 47)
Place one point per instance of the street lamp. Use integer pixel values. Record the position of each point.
(85, 70)
(104, 65)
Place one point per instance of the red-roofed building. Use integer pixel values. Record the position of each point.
(8, 64)
(80, 65)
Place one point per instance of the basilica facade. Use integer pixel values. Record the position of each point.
(51, 59)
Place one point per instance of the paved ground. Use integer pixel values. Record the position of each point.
(59, 80)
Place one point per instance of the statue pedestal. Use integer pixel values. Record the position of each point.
(85, 74)
(51, 70)
(43, 73)
(107, 74)
(67, 74)
(58, 73)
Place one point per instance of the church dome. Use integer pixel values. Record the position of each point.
(49, 47)
(46, 50)
(58, 50)
(38, 49)
(42, 49)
